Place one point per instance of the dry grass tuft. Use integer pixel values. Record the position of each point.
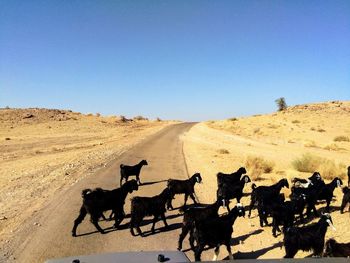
(140, 118)
(232, 119)
(321, 130)
(310, 144)
(310, 163)
(341, 138)
(223, 151)
(257, 165)
(332, 147)
(295, 121)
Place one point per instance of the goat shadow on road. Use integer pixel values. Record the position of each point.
(144, 223)
(255, 254)
(162, 230)
(150, 183)
(237, 240)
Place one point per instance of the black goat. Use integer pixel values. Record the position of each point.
(266, 193)
(148, 206)
(183, 187)
(228, 190)
(305, 183)
(335, 249)
(265, 208)
(215, 232)
(283, 213)
(230, 178)
(346, 199)
(311, 193)
(307, 238)
(127, 170)
(198, 213)
(95, 202)
(327, 191)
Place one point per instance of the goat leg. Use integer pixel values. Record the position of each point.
(228, 247)
(79, 219)
(94, 220)
(164, 220)
(186, 197)
(216, 253)
(198, 252)
(155, 219)
(193, 198)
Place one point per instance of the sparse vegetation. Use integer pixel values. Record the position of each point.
(257, 165)
(223, 151)
(321, 130)
(295, 121)
(281, 104)
(158, 119)
(310, 144)
(341, 138)
(232, 119)
(332, 147)
(310, 163)
(140, 118)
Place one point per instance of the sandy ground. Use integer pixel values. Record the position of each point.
(280, 138)
(44, 152)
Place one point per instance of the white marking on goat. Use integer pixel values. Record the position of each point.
(239, 205)
(331, 225)
(197, 179)
(338, 183)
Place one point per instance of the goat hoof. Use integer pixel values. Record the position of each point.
(74, 235)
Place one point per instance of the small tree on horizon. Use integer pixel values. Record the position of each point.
(281, 104)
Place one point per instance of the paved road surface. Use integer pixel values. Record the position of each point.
(53, 239)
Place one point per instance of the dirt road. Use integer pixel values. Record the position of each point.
(48, 233)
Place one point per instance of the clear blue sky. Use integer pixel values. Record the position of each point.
(190, 60)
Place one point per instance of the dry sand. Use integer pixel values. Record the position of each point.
(279, 138)
(46, 151)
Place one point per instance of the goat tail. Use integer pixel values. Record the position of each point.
(253, 186)
(85, 192)
(346, 190)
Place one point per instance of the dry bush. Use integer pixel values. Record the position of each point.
(310, 144)
(123, 118)
(257, 165)
(313, 128)
(332, 147)
(158, 119)
(341, 138)
(321, 130)
(140, 118)
(232, 119)
(223, 151)
(311, 163)
(295, 121)
(256, 130)
(98, 114)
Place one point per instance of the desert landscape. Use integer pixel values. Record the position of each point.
(47, 152)
(287, 144)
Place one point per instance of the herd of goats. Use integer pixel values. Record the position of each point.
(208, 228)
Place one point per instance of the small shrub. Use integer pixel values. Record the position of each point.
(295, 121)
(281, 104)
(313, 128)
(332, 147)
(223, 151)
(341, 138)
(98, 114)
(311, 163)
(310, 144)
(256, 130)
(321, 130)
(257, 165)
(158, 119)
(232, 119)
(89, 114)
(123, 118)
(140, 118)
